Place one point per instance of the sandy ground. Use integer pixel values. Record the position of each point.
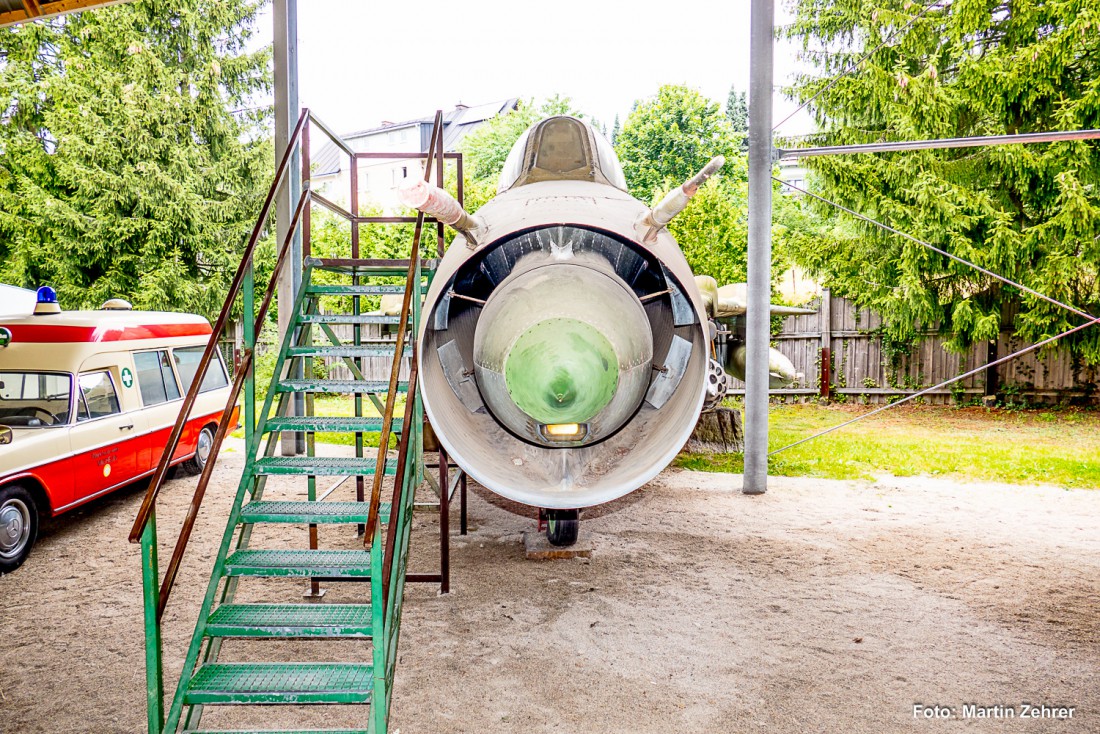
(821, 606)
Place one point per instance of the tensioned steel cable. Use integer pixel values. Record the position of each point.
(935, 249)
(863, 58)
(1092, 319)
(963, 376)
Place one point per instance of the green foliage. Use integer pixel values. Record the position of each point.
(713, 230)
(666, 140)
(1029, 213)
(330, 236)
(737, 111)
(672, 136)
(131, 164)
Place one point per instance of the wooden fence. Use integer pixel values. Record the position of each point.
(839, 352)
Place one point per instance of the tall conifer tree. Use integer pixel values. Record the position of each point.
(132, 156)
(1031, 213)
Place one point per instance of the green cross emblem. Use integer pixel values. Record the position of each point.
(127, 377)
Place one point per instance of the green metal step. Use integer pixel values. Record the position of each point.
(281, 731)
(338, 386)
(288, 683)
(329, 424)
(314, 513)
(290, 620)
(365, 267)
(310, 563)
(348, 318)
(371, 350)
(319, 466)
(355, 290)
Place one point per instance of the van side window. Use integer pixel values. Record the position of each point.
(187, 363)
(155, 378)
(97, 396)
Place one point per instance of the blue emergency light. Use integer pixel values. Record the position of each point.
(47, 302)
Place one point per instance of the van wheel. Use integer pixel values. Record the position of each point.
(18, 526)
(195, 464)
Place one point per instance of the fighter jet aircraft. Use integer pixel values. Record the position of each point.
(566, 349)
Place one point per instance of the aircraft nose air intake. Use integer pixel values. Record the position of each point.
(563, 365)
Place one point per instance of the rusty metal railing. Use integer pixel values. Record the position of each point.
(240, 277)
(242, 280)
(412, 286)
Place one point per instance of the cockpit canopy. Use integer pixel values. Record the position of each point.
(561, 148)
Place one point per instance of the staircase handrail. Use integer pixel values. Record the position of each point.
(298, 137)
(412, 285)
(219, 328)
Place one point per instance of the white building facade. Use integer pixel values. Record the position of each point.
(379, 179)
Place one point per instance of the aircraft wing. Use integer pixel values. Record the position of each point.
(732, 300)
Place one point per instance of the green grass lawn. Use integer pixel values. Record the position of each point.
(1060, 447)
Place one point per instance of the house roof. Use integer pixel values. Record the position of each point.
(457, 123)
(18, 11)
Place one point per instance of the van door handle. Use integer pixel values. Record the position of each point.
(126, 427)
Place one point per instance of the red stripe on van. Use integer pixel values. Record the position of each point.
(57, 333)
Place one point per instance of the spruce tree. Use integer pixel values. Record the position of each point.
(1028, 212)
(737, 111)
(132, 156)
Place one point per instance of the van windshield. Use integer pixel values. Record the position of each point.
(34, 399)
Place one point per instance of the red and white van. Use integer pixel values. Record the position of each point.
(87, 400)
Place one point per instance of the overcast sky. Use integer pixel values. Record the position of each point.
(364, 62)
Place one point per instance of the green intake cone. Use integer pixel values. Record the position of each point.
(561, 370)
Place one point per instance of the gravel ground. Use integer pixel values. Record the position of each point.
(822, 606)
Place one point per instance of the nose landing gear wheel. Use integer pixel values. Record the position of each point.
(562, 526)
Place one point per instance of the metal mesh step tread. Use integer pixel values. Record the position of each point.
(371, 351)
(290, 620)
(329, 424)
(338, 386)
(320, 466)
(336, 563)
(348, 318)
(355, 290)
(362, 266)
(292, 683)
(311, 512)
(281, 731)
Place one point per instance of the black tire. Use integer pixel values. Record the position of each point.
(195, 464)
(563, 526)
(18, 526)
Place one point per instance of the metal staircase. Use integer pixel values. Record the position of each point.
(372, 624)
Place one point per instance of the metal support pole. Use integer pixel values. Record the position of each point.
(444, 519)
(150, 583)
(757, 335)
(286, 117)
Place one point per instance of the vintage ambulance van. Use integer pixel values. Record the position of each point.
(87, 400)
